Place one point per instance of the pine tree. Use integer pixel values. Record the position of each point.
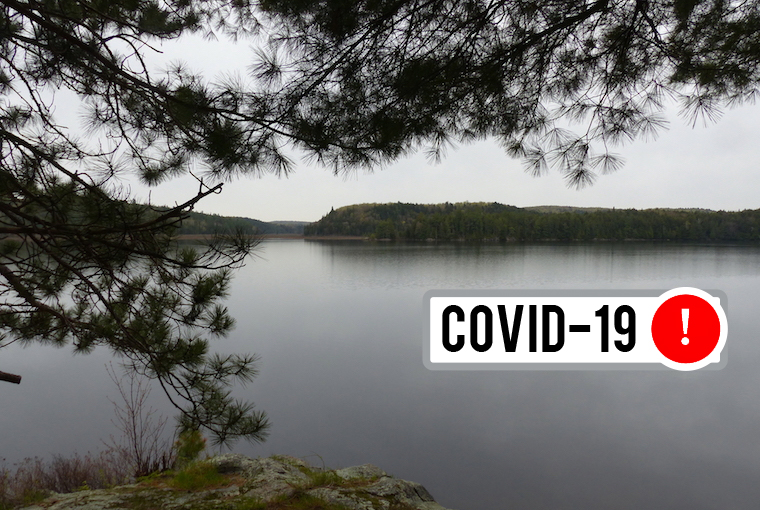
(351, 83)
(558, 83)
(80, 262)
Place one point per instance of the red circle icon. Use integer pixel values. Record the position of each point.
(686, 328)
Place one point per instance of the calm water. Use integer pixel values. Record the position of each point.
(339, 330)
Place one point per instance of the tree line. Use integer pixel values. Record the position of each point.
(208, 224)
(498, 222)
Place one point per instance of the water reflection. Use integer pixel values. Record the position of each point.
(339, 328)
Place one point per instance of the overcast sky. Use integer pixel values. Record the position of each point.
(714, 167)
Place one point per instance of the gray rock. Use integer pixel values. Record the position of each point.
(275, 476)
(230, 463)
(410, 493)
(365, 487)
(345, 499)
(365, 471)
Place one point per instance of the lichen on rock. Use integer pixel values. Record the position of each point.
(272, 483)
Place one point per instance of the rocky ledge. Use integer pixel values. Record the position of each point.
(274, 483)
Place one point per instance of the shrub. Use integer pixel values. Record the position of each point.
(143, 440)
(33, 479)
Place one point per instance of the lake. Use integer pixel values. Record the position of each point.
(339, 328)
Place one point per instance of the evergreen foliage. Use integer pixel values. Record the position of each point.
(81, 263)
(558, 83)
(497, 222)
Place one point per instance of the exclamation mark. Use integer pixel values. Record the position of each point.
(685, 324)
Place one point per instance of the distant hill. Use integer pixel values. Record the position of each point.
(200, 223)
(493, 221)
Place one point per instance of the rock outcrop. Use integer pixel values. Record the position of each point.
(274, 483)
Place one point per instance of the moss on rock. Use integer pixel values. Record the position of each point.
(243, 483)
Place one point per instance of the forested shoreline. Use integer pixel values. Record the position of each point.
(207, 224)
(498, 222)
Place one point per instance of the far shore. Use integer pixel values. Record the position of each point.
(202, 237)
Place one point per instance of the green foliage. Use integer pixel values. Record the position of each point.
(324, 478)
(32, 496)
(319, 478)
(250, 504)
(497, 222)
(189, 446)
(80, 263)
(556, 83)
(196, 476)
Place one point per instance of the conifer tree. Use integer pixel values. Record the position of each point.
(80, 262)
(350, 83)
(558, 83)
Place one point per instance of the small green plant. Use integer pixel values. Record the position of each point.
(324, 478)
(197, 476)
(250, 504)
(189, 446)
(316, 477)
(32, 496)
(304, 501)
(156, 475)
